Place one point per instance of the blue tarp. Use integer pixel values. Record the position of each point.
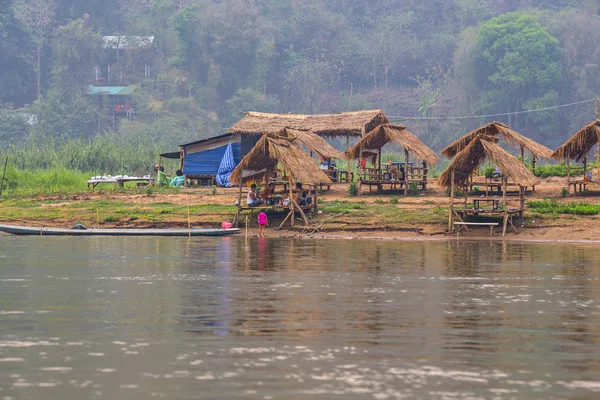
(227, 166)
(207, 162)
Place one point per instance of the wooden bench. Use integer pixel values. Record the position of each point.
(463, 225)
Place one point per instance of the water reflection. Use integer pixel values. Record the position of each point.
(284, 318)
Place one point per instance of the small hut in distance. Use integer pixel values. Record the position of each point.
(577, 148)
(372, 144)
(480, 149)
(497, 130)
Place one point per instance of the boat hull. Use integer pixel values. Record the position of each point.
(44, 231)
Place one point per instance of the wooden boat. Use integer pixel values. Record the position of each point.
(45, 231)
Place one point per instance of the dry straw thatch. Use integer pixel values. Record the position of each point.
(386, 133)
(495, 129)
(313, 142)
(271, 150)
(354, 123)
(475, 154)
(580, 143)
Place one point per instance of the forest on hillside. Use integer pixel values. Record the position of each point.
(211, 60)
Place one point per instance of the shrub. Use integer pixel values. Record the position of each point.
(213, 190)
(394, 200)
(413, 189)
(564, 192)
(112, 218)
(353, 189)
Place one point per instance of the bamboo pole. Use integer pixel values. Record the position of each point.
(291, 204)
(504, 184)
(568, 162)
(348, 148)
(451, 208)
(406, 173)
(3, 175)
(188, 216)
(521, 201)
(236, 221)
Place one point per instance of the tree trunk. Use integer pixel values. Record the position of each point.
(39, 72)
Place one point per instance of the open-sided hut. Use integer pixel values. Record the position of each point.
(577, 148)
(370, 147)
(269, 152)
(347, 124)
(499, 130)
(480, 149)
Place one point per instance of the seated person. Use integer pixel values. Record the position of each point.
(252, 200)
(178, 180)
(299, 194)
(402, 173)
(285, 201)
(161, 178)
(267, 193)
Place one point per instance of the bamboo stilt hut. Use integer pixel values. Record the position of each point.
(578, 147)
(387, 133)
(474, 155)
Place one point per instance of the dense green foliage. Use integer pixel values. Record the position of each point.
(212, 60)
(553, 207)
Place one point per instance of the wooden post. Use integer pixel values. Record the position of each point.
(568, 162)
(451, 208)
(504, 184)
(521, 201)
(585, 166)
(406, 173)
(522, 154)
(425, 172)
(348, 148)
(533, 170)
(379, 162)
(236, 220)
(291, 203)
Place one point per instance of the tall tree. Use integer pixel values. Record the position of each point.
(38, 18)
(517, 61)
(14, 63)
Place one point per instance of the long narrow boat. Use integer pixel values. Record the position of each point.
(44, 231)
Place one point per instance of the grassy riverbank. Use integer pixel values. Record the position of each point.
(549, 215)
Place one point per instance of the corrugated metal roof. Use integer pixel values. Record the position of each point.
(111, 90)
(226, 135)
(128, 42)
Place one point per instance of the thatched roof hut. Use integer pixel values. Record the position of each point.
(383, 134)
(496, 129)
(271, 150)
(475, 154)
(580, 144)
(313, 143)
(354, 123)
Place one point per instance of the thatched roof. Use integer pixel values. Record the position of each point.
(495, 129)
(475, 154)
(313, 142)
(354, 123)
(271, 150)
(386, 133)
(580, 143)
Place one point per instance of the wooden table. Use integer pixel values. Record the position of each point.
(495, 202)
(579, 183)
(120, 182)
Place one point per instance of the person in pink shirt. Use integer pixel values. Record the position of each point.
(262, 223)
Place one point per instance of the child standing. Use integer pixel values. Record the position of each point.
(262, 223)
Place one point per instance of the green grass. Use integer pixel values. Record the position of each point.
(553, 207)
